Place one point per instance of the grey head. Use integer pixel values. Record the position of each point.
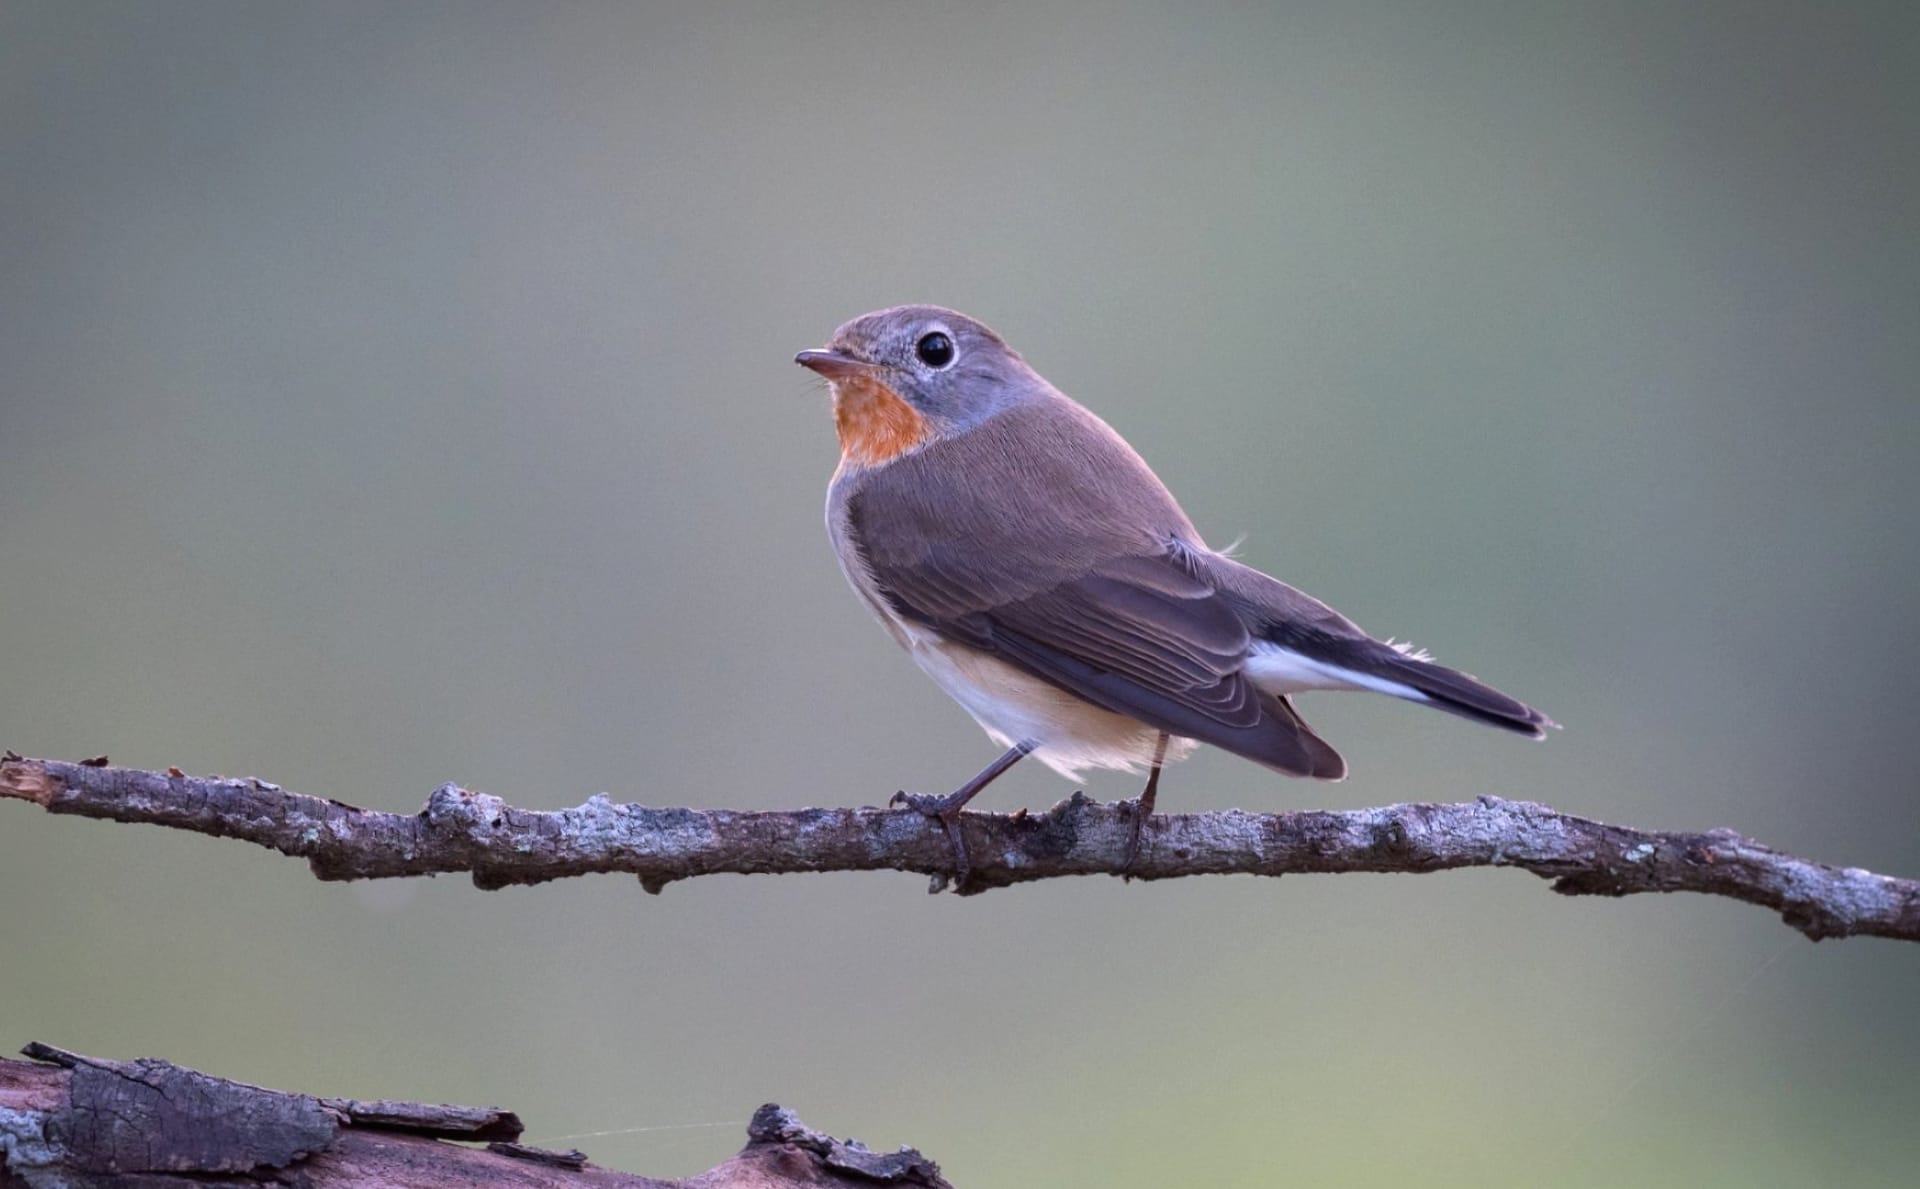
(953, 370)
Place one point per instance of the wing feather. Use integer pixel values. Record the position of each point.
(1140, 636)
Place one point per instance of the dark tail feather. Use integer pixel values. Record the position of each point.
(1427, 683)
(1458, 693)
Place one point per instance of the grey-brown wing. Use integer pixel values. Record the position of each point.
(1146, 636)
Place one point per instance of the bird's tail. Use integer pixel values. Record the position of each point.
(1301, 643)
(1358, 662)
(1456, 692)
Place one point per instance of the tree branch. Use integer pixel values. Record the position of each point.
(461, 830)
(80, 1122)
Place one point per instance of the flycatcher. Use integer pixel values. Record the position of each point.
(1033, 566)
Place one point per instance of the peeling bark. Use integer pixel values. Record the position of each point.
(84, 1123)
(464, 831)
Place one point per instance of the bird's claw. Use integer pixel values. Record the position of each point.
(924, 804)
(945, 812)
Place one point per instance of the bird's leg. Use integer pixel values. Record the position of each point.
(946, 810)
(1143, 808)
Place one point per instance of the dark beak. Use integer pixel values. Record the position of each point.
(832, 364)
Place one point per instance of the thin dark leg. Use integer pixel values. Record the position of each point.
(1143, 808)
(946, 810)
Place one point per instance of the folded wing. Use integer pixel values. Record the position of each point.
(1144, 635)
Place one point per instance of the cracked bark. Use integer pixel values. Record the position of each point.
(460, 830)
(85, 1123)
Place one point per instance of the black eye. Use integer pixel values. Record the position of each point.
(935, 350)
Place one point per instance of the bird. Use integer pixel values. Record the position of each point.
(1033, 565)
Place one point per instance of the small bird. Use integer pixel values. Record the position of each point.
(1031, 564)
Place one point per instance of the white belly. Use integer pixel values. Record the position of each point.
(1012, 706)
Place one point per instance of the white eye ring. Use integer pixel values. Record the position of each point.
(936, 349)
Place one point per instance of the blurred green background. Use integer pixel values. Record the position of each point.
(400, 394)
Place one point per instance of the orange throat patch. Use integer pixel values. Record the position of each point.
(875, 423)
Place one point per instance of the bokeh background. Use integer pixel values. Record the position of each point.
(400, 394)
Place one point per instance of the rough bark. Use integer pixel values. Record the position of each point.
(463, 831)
(85, 1123)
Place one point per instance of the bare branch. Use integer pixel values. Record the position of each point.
(83, 1121)
(461, 830)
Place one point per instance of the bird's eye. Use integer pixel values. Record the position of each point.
(935, 350)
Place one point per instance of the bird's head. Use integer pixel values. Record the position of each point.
(910, 375)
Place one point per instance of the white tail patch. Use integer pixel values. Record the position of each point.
(1278, 670)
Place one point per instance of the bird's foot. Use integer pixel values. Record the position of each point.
(1141, 808)
(946, 811)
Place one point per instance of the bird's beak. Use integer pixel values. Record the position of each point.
(832, 364)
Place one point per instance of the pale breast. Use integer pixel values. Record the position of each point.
(846, 547)
(1013, 706)
(1010, 705)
